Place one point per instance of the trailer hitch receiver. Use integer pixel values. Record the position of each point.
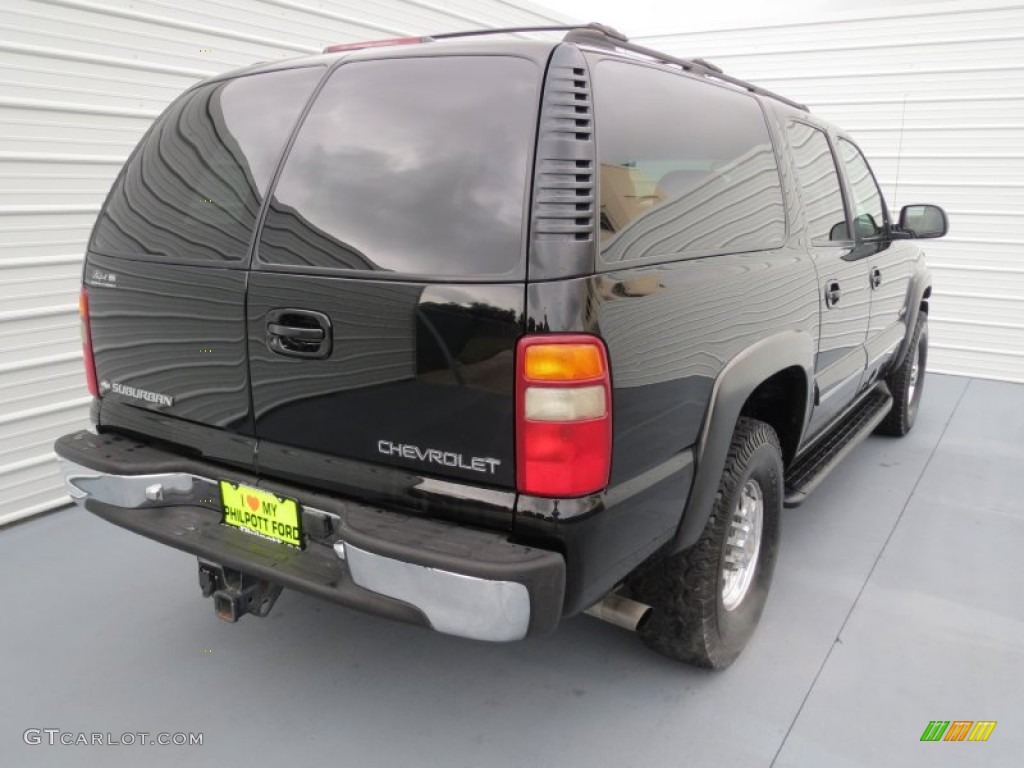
(236, 593)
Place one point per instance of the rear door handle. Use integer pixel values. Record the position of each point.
(832, 294)
(291, 332)
(299, 333)
(876, 277)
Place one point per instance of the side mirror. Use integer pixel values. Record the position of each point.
(924, 221)
(839, 232)
(865, 226)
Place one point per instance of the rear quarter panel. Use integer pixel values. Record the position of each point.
(671, 330)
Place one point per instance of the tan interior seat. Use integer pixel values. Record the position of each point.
(621, 200)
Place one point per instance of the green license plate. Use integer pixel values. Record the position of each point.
(262, 513)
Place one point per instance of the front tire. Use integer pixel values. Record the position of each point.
(906, 383)
(707, 600)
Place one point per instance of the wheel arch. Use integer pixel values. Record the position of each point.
(748, 386)
(918, 294)
(781, 402)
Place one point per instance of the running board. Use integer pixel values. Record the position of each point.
(813, 466)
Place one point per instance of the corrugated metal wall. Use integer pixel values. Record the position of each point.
(81, 82)
(935, 97)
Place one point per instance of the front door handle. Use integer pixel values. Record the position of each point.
(832, 294)
(876, 277)
(299, 333)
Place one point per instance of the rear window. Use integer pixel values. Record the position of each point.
(686, 167)
(413, 166)
(192, 191)
(819, 182)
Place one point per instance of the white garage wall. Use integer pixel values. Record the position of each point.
(934, 93)
(79, 84)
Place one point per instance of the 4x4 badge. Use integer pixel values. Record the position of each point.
(102, 279)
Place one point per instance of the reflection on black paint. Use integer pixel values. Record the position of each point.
(177, 330)
(466, 345)
(193, 190)
(410, 165)
(428, 365)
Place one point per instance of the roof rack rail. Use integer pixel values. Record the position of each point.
(603, 29)
(595, 35)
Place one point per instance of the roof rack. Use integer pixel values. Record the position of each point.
(605, 31)
(602, 29)
(593, 34)
(603, 35)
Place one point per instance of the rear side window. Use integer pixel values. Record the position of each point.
(413, 166)
(819, 183)
(686, 167)
(192, 191)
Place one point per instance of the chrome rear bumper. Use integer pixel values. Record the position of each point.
(458, 581)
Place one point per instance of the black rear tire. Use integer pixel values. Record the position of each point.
(688, 591)
(906, 383)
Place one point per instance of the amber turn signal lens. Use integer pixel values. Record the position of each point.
(563, 362)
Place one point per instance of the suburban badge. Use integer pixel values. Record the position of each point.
(157, 398)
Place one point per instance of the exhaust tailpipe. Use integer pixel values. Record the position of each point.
(620, 611)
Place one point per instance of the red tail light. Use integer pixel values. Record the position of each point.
(563, 415)
(90, 364)
(376, 43)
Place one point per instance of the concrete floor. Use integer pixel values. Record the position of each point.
(897, 600)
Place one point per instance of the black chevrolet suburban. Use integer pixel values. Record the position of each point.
(481, 333)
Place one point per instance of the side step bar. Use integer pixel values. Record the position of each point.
(831, 448)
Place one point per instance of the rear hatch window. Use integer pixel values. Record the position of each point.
(192, 191)
(410, 166)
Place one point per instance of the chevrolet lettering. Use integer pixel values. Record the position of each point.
(480, 332)
(435, 456)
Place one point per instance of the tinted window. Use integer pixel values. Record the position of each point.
(410, 165)
(819, 183)
(686, 167)
(868, 207)
(193, 190)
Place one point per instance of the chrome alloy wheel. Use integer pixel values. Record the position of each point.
(743, 545)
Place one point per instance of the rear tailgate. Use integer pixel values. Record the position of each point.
(166, 270)
(388, 288)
